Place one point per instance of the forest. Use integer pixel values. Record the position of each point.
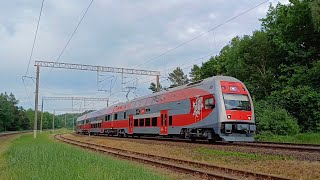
(279, 64)
(16, 118)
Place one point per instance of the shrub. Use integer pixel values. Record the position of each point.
(275, 120)
(302, 102)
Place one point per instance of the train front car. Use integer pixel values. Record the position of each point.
(235, 116)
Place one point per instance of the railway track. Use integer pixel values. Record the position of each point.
(13, 133)
(207, 171)
(283, 143)
(281, 146)
(313, 148)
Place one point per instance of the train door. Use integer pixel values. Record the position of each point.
(164, 122)
(130, 130)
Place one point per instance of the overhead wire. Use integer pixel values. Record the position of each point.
(31, 53)
(71, 36)
(183, 64)
(35, 37)
(74, 32)
(25, 87)
(200, 35)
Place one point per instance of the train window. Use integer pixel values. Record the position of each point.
(161, 119)
(209, 103)
(136, 123)
(154, 121)
(109, 117)
(170, 120)
(137, 111)
(124, 115)
(141, 122)
(147, 121)
(115, 117)
(105, 118)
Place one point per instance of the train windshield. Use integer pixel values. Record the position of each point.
(236, 102)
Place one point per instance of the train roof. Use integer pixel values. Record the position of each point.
(192, 84)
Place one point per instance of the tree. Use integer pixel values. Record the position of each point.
(153, 87)
(195, 73)
(279, 64)
(178, 78)
(270, 118)
(12, 117)
(315, 13)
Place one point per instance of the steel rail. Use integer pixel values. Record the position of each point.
(278, 146)
(13, 133)
(208, 167)
(285, 143)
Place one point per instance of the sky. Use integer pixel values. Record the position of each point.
(127, 34)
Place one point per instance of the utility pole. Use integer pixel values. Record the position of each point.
(54, 112)
(158, 83)
(36, 104)
(73, 123)
(41, 116)
(65, 120)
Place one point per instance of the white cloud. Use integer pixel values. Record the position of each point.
(114, 33)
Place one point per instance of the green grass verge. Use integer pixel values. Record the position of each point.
(44, 158)
(306, 138)
(240, 155)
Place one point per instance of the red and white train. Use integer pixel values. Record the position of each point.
(216, 108)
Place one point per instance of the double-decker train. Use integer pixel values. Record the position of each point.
(216, 108)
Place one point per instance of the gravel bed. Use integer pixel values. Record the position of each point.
(304, 156)
(295, 165)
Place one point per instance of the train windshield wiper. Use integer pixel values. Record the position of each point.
(241, 108)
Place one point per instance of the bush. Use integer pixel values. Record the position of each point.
(302, 102)
(306, 138)
(275, 120)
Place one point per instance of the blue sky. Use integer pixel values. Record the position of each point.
(113, 33)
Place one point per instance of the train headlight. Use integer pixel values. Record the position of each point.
(234, 88)
(249, 117)
(229, 116)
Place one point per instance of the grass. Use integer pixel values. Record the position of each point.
(305, 138)
(44, 158)
(240, 155)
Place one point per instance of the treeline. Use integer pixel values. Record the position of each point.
(12, 117)
(280, 65)
(15, 118)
